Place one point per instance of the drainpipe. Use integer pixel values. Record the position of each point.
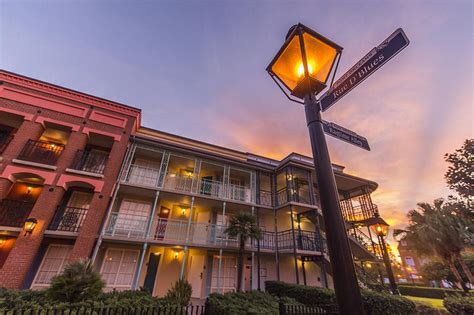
(185, 252)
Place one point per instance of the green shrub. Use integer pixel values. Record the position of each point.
(374, 303)
(28, 299)
(302, 294)
(457, 304)
(78, 282)
(180, 293)
(246, 303)
(383, 303)
(427, 292)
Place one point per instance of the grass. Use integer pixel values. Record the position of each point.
(436, 303)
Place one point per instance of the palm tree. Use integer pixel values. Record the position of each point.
(243, 226)
(435, 230)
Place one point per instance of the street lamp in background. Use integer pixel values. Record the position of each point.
(302, 67)
(409, 269)
(381, 230)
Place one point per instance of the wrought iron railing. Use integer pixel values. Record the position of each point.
(239, 193)
(266, 198)
(14, 212)
(90, 161)
(282, 196)
(68, 219)
(43, 152)
(305, 240)
(366, 241)
(5, 139)
(267, 240)
(211, 188)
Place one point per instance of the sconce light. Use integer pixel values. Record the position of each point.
(183, 210)
(289, 177)
(176, 254)
(368, 265)
(2, 241)
(30, 225)
(28, 190)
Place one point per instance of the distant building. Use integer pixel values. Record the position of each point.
(150, 207)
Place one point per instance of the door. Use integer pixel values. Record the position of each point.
(153, 262)
(196, 274)
(247, 278)
(162, 222)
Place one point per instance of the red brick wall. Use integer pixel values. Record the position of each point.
(21, 256)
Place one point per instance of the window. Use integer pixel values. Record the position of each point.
(228, 275)
(52, 264)
(119, 267)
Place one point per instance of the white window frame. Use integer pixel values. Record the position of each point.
(122, 250)
(61, 267)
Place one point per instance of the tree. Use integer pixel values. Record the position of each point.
(460, 174)
(78, 282)
(436, 230)
(243, 226)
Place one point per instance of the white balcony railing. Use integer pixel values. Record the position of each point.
(178, 182)
(149, 177)
(143, 176)
(126, 225)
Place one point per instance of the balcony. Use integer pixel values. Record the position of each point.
(305, 240)
(178, 182)
(142, 176)
(14, 212)
(43, 152)
(68, 219)
(172, 231)
(358, 213)
(266, 198)
(90, 161)
(127, 226)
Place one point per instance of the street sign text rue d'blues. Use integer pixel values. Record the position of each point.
(364, 68)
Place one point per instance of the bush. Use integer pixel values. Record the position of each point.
(302, 294)
(28, 299)
(427, 292)
(375, 303)
(457, 304)
(78, 282)
(180, 293)
(246, 303)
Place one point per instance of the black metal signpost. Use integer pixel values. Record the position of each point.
(307, 87)
(371, 62)
(344, 134)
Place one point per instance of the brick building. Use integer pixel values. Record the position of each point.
(157, 211)
(55, 168)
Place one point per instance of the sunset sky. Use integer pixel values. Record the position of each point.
(197, 69)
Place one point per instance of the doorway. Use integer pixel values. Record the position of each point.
(151, 270)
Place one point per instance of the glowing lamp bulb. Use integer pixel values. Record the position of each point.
(301, 69)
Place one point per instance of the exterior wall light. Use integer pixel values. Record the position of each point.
(176, 255)
(30, 225)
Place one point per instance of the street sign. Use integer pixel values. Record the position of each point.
(375, 59)
(344, 134)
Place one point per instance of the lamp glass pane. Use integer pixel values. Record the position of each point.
(287, 65)
(320, 57)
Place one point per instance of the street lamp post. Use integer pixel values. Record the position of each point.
(381, 229)
(303, 66)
